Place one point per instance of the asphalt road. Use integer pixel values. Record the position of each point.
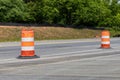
(62, 60)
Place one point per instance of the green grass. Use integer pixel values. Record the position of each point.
(47, 33)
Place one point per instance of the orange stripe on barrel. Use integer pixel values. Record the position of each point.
(105, 45)
(27, 43)
(105, 33)
(105, 39)
(27, 34)
(27, 53)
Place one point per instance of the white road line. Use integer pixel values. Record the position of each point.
(76, 52)
(71, 52)
(8, 44)
(97, 46)
(54, 54)
(56, 41)
(13, 60)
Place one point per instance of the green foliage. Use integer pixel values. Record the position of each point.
(113, 21)
(64, 12)
(69, 12)
(91, 12)
(12, 11)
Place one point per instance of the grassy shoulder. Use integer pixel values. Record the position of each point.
(13, 33)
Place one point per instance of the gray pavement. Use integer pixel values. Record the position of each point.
(43, 42)
(97, 68)
(62, 60)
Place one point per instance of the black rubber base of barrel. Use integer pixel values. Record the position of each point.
(105, 48)
(28, 57)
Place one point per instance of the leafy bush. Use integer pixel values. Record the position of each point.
(12, 11)
(65, 12)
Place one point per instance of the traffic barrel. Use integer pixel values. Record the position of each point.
(27, 45)
(105, 39)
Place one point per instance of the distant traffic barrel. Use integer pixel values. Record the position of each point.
(27, 44)
(105, 39)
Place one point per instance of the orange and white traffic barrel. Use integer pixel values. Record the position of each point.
(105, 39)
(27, 44)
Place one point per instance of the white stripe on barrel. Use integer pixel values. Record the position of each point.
(31, 39)
(27, 48)
(105, 42)
(105, 36)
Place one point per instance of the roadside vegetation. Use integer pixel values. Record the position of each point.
(13, 33)
(77, 14)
